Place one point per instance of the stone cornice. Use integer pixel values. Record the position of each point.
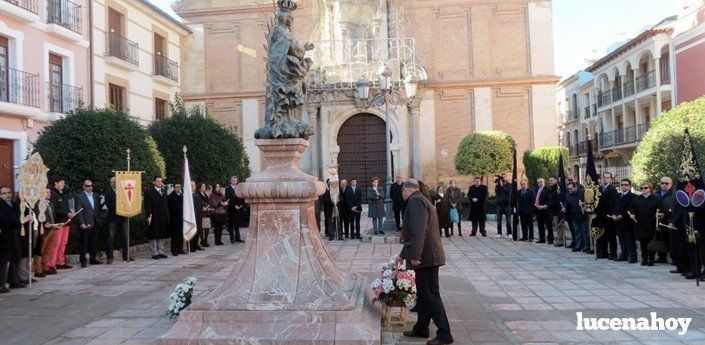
(463, 84)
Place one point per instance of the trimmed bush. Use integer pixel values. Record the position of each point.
(543, 162)
(215, 152)
(485, 153)
(659, 152)
(91, 144)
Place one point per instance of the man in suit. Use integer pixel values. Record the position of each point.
(157, 211)
(606, 246)
(396, 192)
(353, 196)
(176, 217)
(643, 212)
(503, 194)
(327, 204)
(622, 224)
(668, 201)
(63, 214)
(573, 207)
(477, 193)
(525, 209)
(343, 209)
(198, 212)
(554, 212)
(543, 216)
(10, 247)
(88, 222)
(423, 252)
(236, 213)
(115, 222)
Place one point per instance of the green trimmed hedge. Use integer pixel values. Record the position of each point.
(543, 162)
(484, 153)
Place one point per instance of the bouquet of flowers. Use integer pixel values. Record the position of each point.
(181, 297)
(395, 285)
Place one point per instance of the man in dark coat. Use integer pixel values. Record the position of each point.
(423, 252)
(606, 245)
(573, 207)
(477, 193)
(157, 211)
(10, 247)
(503, 195)
(198, 213)
(396, 194)
(327, 205)
(623, 225)
(115, 221)
(525, 209)
(176, 219)
(554, 212)
(643, 212)
(353, 197)
(543, 215)
(87, 221)
(343, 210)
(236, 211)
(666, 208)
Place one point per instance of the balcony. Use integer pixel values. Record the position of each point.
(65, 14)
(606, 139)
(166, 68)
(586, 112)
(616, 94)
(665, 76)
(19, 87)
(594, 110)
(604, 98)
(24, 10)
(122, 49)
(574, 150)
(629, 88)
(618, 137)
(630, 134)
(646, 81)
(64, 98)
(643, 128)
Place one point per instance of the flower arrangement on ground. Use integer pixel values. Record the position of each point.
(395, 286)
(181, 297)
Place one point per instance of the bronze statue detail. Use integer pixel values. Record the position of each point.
(287, 67)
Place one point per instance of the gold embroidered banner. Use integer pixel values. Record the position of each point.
(128, 192)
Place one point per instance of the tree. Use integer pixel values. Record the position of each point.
(484, 153)
(91, 144)
(215, 152)
(659, 152)
(543, 162)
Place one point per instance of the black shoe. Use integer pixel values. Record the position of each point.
(182, 252)
(650, 263)
(110, 261)
(156, 257)
(4, 289)
(414, 334)
(540, 241)
(40, 275)
(662, 260)
(613, 257)
(26, 282)
(484, 234)
(205, 244)
(330, 238)
(64, 267)
(590, 252)
(575, 249)
(50, 271)
(643, 263)
(163, 256)
(232, 241)
(523, 239)
(357, 237)
(549, 242)
(632, 261)
(621, 258)
(602, 256)
(571, 246)
(239, 241)
(340, 239)
(18, 286)
(690, 276)
(675, 271)
(413, 309)
(95, 262)
(174, 254)
(473, 234)
(128, 259)
(219, 243)
(84, 264)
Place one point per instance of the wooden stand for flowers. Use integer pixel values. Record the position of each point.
(393, 316)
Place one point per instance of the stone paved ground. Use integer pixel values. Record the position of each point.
(495, 291)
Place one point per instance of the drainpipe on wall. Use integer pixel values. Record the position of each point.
(91, 77)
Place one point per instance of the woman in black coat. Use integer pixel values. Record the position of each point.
(219, 217)
(206, 209)
(442, 203)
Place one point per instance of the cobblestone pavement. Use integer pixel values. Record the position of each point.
(495, 291)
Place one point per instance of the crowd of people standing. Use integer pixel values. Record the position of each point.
(215, 208)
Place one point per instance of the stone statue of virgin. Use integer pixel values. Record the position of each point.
(287, 67)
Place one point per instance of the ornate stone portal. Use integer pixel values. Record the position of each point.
(285, 289)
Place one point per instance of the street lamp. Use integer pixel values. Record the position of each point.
(385, 97)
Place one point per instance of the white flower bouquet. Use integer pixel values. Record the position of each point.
(181, 297)
(395, 286)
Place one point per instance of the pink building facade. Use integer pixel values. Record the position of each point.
(44, 59)
(689, 51)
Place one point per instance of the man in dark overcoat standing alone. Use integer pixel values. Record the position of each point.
(157, 211)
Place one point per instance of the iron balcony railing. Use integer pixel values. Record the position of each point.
(605, 98)
(665, 76)
(122, 48)
(166, 68)
(64, 13)
(64, 98)
(646, 81)
(594, 109)
(19, 87)
(629, 88)
(574, 150)
(586, 112)
(630, 134)
(643, 128)
(606, 139)
(616, 94)
(29, 5)
(619, 137)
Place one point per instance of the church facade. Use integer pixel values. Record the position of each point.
(457, 66)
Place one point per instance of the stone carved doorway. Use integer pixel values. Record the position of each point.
(362, 151)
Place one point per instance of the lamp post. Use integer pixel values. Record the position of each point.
(385, 97)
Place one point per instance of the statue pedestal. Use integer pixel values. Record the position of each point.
(286, 289)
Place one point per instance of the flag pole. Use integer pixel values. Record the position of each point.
(128, 218)
(188, 243)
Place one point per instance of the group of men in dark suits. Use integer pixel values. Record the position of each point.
(541, 203)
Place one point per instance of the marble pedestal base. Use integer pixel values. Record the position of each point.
(285, 289)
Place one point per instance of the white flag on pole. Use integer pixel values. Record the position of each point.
(189, 213)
